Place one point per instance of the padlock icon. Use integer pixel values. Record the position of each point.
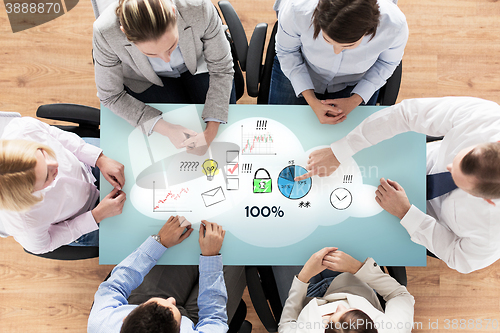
(263, 184)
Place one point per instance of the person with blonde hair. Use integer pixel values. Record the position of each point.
(47, 192)
(162, 51)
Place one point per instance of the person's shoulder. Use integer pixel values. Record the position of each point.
(191, 5)
(390, 14)
(108, 21)
(299, 7)
(20, 126)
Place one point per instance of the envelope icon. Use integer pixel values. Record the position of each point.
(213, 196)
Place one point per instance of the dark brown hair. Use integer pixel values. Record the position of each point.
(346, 21)
(145, 20)
(150, 318)
(353, 321)
(483, 162)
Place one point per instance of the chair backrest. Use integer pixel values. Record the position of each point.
(5, 118)
(100, 5)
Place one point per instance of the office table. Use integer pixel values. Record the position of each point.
(245, 183)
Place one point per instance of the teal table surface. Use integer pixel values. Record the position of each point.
(245, 183)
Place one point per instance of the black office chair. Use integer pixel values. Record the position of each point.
(87, 121)
(266, 301)
(246, 57)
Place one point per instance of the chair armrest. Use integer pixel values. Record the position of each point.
(391, 87)
(67, 252)
(429, 138)
(398, 273)
(80, 114)
(236, 30)
(260, 299)
(254, 59)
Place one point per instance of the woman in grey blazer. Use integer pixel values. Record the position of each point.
(163, 51)
(346, 302)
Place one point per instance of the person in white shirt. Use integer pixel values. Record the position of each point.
(335, 54)
(345, 302)
(461, 227)
(47, 192)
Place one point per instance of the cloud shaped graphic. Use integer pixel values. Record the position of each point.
(277, 220)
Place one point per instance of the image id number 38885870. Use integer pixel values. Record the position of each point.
(470, 324)
(32, 7)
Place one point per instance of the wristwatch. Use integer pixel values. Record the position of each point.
(156, 238)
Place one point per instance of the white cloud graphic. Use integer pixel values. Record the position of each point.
(271, 231)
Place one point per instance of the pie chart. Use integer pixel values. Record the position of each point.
(289, 187)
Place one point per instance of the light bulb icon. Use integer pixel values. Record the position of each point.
(210, 168)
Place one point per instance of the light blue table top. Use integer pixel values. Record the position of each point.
(339, 210)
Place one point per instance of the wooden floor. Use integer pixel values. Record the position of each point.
(453, 49)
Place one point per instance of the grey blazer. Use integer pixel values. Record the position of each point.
(119, 62)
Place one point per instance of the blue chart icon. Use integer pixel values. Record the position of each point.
(289, 187)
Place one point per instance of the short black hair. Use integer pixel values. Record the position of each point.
(346, 21)
(150, 317)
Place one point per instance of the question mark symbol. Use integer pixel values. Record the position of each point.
(182, 164)
(196, 167)
(190, 164)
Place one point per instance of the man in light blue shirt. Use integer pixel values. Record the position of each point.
(197, 305)
(335, 54)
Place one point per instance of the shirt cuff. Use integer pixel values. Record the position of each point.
(412, 220)
(215, 119)
(152, 248)
(86, 223)
(211, 264)
(369, 267)
(300, 83)
(342, 150)
(151, 124)
(89, 154)
(365, 89)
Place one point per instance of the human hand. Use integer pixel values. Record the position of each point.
(392, 197)
(322, 162)
(198, 145)
(172, 233)
(211, 238)
(327, 114)
(339, 261)
(344, 105)
(176, 133)
(112, 171)
(314, 265)
(111, 205)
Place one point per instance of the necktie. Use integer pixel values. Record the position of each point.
(439, 184)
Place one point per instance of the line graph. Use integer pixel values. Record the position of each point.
(165, 200)
(257, 143)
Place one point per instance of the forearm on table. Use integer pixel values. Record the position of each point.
(212, 296)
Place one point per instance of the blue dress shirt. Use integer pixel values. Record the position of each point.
(111, 305)
(312, 64)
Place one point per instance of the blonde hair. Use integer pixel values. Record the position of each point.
(145, 20)
(17, 173)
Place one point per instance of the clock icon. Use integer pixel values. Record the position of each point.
(341, 198)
